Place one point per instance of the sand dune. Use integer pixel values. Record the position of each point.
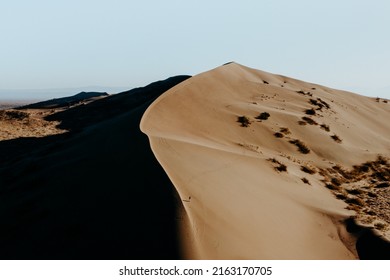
(264, 166)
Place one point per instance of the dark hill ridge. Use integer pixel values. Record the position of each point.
(77, 118)
(82, 116)
(96, 192)
(66, 101)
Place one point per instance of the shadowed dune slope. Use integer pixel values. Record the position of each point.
(260, 163)
(95, 193)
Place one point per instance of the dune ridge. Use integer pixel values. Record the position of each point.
(250, 155)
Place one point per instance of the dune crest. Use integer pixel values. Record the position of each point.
(251, 155)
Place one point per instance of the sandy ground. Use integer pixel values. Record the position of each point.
(267, 167)
(26, 123)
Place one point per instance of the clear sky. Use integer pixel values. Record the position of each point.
(124, 43)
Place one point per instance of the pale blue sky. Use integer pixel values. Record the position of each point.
(124, 43)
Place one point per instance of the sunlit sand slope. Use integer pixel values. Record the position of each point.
(264, 163)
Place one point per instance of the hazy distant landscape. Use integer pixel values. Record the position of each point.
(35, 95)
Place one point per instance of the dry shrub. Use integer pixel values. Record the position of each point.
(305, 181)
(263, 116)
(273, 160)
(307, 169)
(301, 146)
(372, 194)
(13, 115)
(285, 130)
(355, 191)
(336, 138)
(341, 196)
(382, 185)
(355, 200)
(336, 181)
(325, 127)
(244, 121)
(309, 121)
(323, 103)
(332, 187)
(311, 112)
(380, 226)
(281, 168)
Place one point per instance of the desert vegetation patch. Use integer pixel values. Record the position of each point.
(365, 188)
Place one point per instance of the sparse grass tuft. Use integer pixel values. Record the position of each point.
(335, 181)
(325, 127)
(278, 135)
(355, 200)
(302, 123)
(372, 194)
(324, 103)
(263, 116)
(301, 146)
(381, 160)
(274, 160)
(304, 93)
(355, 191)
(305, 181)
(309, 121)
(337, 168)
(13, 115)
(314, 102)
(380, 226)
(336, 138)
(244, 121)
(285, 130)
(341, 196)
(307, 169)
(382, 185)
(354, 207)
(265, 82)
(332, 187)
(370, 212)
(281, 168)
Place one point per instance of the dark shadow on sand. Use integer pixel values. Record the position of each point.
(96, 192)
(369, 245)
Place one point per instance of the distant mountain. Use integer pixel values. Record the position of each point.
(12, 104)
(37, 95)
(66, 101)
